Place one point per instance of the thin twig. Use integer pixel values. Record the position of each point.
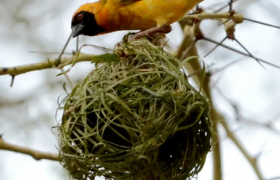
(225, 67)
(218, 118)
(215, 116)
(250, 159)
(230, 4)
(45, 52)
(221, 8)
(240, 52)
(241, 118)
(251, 55)
(69, 80)
(37, 155)
(215, 47)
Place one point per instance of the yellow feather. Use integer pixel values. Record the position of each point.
(137, 14)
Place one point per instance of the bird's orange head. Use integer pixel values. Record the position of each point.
(84, 21)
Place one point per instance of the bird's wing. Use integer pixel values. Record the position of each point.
(128, 1)
(122, 1)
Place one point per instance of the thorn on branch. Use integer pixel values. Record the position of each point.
(240, 52)
(198, 10)
(262, 23)
(12, 80)
(221, 8)
(230, 4)
(248, 52)
(215, 47)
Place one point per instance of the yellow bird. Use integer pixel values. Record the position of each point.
(105, 16)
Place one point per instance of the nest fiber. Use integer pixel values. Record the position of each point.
(136, 118)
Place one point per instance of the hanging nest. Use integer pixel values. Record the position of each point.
(137, 117)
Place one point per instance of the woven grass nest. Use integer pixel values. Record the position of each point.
(135, 118)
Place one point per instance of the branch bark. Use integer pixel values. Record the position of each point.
(37, 155)
(16, 70)
(194, 66)
(250, 159)
(216, 117)
(236, 17)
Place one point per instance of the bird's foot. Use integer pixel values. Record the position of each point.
(162, 29)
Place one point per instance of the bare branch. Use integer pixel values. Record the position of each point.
(250, 159)
(240, 52)
(37, 155)
(236, 17)
(215, 116)
(268, 124)
(16, 70)
(220, 119)
(215, 47)
(240, 44)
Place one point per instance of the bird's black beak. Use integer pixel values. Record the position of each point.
(77, 30)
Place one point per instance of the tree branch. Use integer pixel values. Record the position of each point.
(250, 159)
(216, 117)
(220, 119)
(239, 117)
(236, 17)
(188, 43)
(16, 70)
(37, 155)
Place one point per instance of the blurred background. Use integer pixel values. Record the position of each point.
(246, 94)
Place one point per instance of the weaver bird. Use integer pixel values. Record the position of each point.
(105, 16)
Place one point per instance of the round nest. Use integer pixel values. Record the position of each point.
(135, 118)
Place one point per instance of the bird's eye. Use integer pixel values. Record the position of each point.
(80, 17)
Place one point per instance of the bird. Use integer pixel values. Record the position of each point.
(148, 16)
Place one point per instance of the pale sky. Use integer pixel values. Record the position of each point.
(253, 88)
